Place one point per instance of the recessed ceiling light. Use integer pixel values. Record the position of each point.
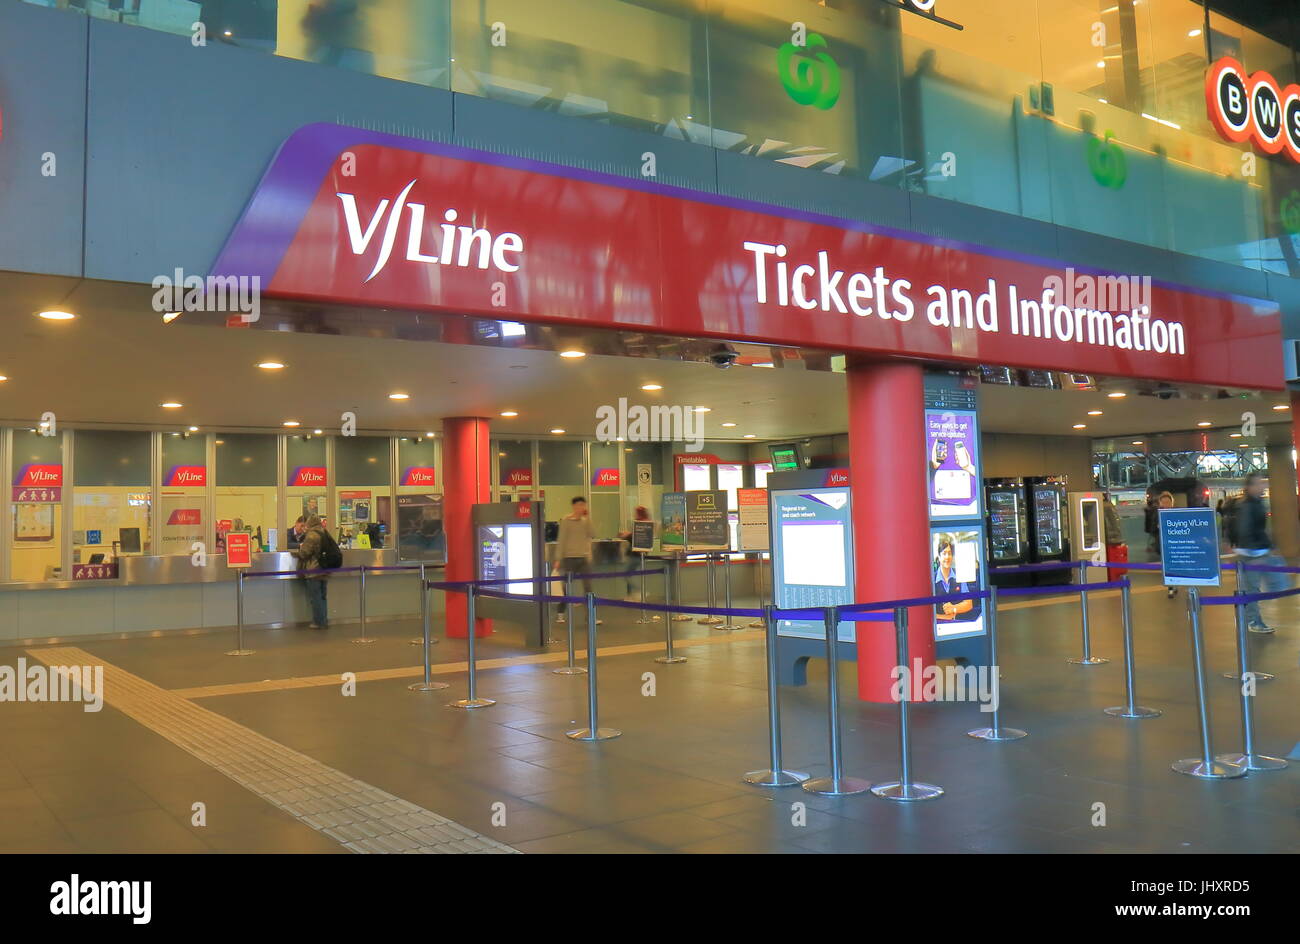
(3, 378)
(55, 314)
(1204, 423)
(194, 429)
(1117, 395)
(428, 435)
(509, 413)
(1094, 412)
(170, 316)
(1080, 425)
(749, 436)
(399, 396)
(1138, 442)
(652, 386)
(572, 354)
(221, 442)
(317, 432)
(291, 423)
(1192, 34)
(765, 364)
(1234, 435)
(729, 425)
(1282, 406)
(557, 431)
(270, 365)
(171, 405)
(703, 409)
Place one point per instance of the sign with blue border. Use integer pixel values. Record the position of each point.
(1189, 547)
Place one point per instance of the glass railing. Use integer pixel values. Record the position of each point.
(1088, 115)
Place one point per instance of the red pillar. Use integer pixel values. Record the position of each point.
(891, 529)
(466, 476)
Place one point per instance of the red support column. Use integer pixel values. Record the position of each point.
(467, 478)
(891, 514)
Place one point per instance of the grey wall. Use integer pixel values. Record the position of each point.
(1007, 455)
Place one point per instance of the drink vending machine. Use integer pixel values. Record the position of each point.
(1008, 530)
(1048, 537)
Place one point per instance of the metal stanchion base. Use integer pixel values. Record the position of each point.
(1253, 761)
(756, 624)
(997, 734)
(431, 687)
(1091, 660)
(1259, 676)
(569, 670)
(830, 787)
(670, 660)
(1216, 770)
(642, 621)
(681, 618)
(729, 627)
(1121, 711)
(241, 652)
(709, 620)
(420, 642)
(602, 734)
(471, 703)
(907, 791)
(361, 640)
(775, 778)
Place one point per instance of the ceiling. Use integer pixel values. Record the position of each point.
(117, 362)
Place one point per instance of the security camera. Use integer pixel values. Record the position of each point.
(1166, 393)
(723, 358)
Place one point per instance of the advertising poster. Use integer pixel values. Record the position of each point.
(1189, 547)
(672, 514)
(643, 536)
(706, 521)
(419, 528)
(956, 567)
(182, 522)
(951, 448)
(239, 549)
(813, 548)
(506, 552)
(751, 503)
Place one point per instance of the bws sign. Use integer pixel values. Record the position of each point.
(1254, 107)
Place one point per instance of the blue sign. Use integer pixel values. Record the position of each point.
(812, 556)
(1189, 547)
(94, 537)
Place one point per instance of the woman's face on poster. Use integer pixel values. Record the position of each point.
(945, 557)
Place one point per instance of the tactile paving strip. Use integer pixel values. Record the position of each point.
(361, 817)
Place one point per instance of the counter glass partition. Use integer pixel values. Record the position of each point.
(112, 495)
(245, 487)
(307, 480)
(419, 531)
(183, 516)
(362, 470)
(36, 506)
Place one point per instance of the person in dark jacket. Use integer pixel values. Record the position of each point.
(313, 577)
(1251, 541)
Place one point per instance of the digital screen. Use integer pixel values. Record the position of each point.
(505, 551)
(1090, 512)
(696, 478)
(1004, 524)
(786, 457)
(1047, 521)
(955, 567)
(952, 449)
(813, 556)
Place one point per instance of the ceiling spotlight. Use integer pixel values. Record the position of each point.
(3, 378)
(194, 429)
(291, 423)
(1204, 423)
(573, 354)
(557, 431)
(1117, 395)
(1138, 442)
(1094, 412)
(399, 396)
(1234, 435)
(729, 425)
(1282, 406)
(509, 413)
(652, 386)
(170, 316)
(428, 435)
(1080, 425)
(317, 431)
(749, 436)
(171, 405)
(270, 365)
(703, 409)
(56, 314)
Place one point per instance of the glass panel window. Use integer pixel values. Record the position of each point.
(183, 517)
(515, 468)
(420, 535)
(761, 471)
(307, 481)
(604, 480)
(113, 495)
(731, 476)
(560, 468)
(245, 487)
(364, 496)
(37, 509)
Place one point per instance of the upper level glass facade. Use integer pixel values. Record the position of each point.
(1089, 114)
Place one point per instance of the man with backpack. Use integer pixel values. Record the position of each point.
(318, 553)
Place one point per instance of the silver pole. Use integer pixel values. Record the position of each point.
(473, 701)
(1241, 588)
(710, 619)
(429, 685)
(836, 784)
(426, 640)
(1205, 766)
(593, 731)
(239, 649)
(1088, 657)
(1131, 709)
(1248, 757)
(905, 789)
(996, 732)
(726, 569)
(758, 589)
(669, 657)
(677, 590)
(363, 638)
(570, 668)
(644, 618)
(775, 775)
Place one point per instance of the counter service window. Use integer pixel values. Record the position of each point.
(307, 481)
(37, 478)
(245, 487)
(183, 515)
(419, 536)
(112, 495)
(364, 491)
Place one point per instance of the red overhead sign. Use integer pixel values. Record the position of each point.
(410, 224)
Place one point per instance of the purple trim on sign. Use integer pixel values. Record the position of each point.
(280, 203)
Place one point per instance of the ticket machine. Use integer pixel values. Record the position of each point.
(1088, 526)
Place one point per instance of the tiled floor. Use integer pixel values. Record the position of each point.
(71, 780)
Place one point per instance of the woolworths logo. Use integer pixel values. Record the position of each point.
(1106, 161)
(809, 74)
(1289, 212)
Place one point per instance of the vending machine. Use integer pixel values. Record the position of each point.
(1048, 538)
(1088, 526)
(1008, 531)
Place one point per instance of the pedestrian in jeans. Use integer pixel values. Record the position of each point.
(313, 577)
(573, 547)
(1253, 546)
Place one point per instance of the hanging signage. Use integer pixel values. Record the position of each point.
(751, 505)
(1189, 547)
(707, 528)
(308, 475)
(38, 496)
(39, 483)
(1254, 108)
(194, 476)
(418, 475)
(239, 549)
(391, 233)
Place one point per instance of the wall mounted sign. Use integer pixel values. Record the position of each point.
(1106, 161)
(94, 571)
(308, 475)
(565, 245)
(195, 476)
(605, 477)
(418, 475)
(1254, 108)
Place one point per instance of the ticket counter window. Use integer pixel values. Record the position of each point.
(365, 513)
(561, 468)
(184, 515)
(636, 457)
(37, 487)
(604, 477)
(307, 481)
(514, 469)
(112, 498)
(419, 534)
(245, 487)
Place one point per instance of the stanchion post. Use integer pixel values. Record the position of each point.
(428, 685)
(726, 569)
(473, 701)
(1206, 766)
(1088, 658)
(995, 732)
(424, 588)
(239, 649)
(677, 590)
(1241, 588)
(758, 589)
(904, 789)
(1247, 757)
(836, 784)
(644, 619)
(775, 775)
(569, 668)
(711, 584)
(361, 606)
(669, 657)
(1130, 709)
(593, 731)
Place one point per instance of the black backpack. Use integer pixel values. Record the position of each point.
(330, 555)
